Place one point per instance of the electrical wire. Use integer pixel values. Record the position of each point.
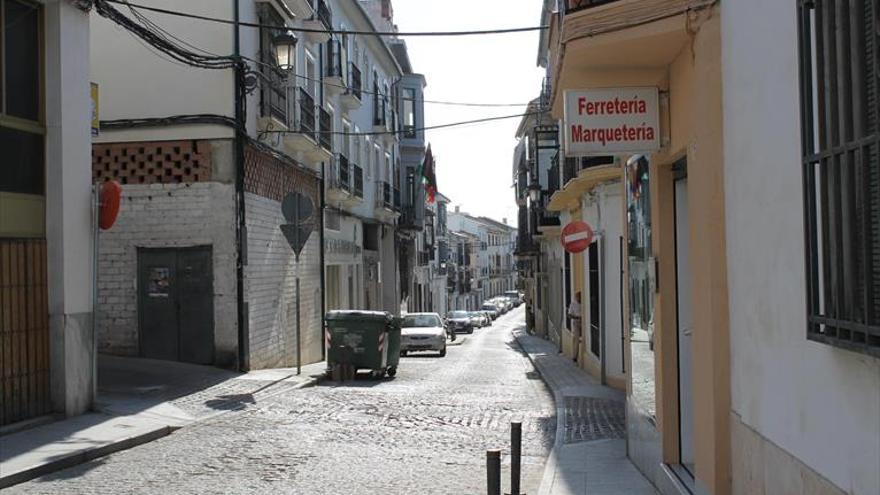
(427, 128)
(328, 31)
(367, 92)
(160, 42)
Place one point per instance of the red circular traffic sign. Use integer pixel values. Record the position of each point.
(576, 236)
(110, 197)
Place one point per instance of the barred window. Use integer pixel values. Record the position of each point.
(840, 130)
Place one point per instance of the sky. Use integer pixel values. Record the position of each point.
(474, 162)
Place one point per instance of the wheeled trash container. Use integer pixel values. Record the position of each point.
(358, 340)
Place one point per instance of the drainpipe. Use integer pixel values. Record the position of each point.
(602, 338)
(241, 230)
(321, 210)
(321, 241)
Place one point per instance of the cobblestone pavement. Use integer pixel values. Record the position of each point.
(425, 432)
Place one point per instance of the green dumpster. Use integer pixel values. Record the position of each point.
(363, 340)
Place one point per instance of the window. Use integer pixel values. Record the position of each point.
(409, 112)
(840, 120)
(22, 129)
(311, 76)
(345, 140)
(273, 94)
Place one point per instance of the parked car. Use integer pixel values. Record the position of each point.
(488, 317)
(500, 304)
(490, 308)
(480, 319)
(515, 296)
(422, 332)
(460, 321)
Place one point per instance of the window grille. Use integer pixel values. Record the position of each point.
(840, 134)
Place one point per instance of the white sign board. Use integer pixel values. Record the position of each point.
(611, 121)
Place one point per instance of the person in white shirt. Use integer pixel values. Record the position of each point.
(574, 314)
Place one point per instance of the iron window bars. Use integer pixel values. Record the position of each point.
(840, 135)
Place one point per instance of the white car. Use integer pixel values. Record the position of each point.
(422, 332)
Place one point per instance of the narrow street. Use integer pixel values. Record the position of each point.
(426, 431)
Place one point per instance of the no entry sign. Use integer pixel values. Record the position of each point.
(576, 236)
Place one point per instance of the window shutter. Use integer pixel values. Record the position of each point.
(873, 163)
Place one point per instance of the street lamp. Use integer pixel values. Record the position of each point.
(285, 49)
(534, 192)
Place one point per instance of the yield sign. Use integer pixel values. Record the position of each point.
(298, 211)
(576, 236)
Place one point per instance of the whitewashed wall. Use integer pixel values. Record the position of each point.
(166, 216)
(270, 278)
(790, 397)
(607, 199)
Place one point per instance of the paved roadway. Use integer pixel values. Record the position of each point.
(424, 432)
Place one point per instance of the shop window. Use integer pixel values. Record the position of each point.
(840, 120)
(22, 131)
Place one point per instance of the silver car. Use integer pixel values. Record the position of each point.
(422, 332)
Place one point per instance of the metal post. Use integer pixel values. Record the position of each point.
(493, 472)
(515, 456)
(96, 231)
(298, 333)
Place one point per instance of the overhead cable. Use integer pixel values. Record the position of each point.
(427, 128)
(329, 31)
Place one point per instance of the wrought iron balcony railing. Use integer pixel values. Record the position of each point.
(305, 122)
(384, 195)
(340, 173)
(576, 5)
(334, 66)
(357, 174)
(355, 82)
(323, 12)
(326, 130)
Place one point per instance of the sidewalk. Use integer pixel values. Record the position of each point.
(140, 400)
(589, 456)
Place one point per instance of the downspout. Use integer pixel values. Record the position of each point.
(321, 241)
(241, 230)
(602, 338)
(321, 220)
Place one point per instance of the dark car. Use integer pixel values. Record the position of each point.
(460, 321)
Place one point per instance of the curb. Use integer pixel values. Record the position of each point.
(84, 456)
(550, 466)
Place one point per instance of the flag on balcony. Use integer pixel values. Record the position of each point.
(429, 179)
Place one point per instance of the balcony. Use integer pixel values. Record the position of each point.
(302, 123)
(606, 40)
(577, 5)
(579, 176)
(425, 258)
(397, 205)
(357, 175)
(351, 98)
(385, 201)
(380, 113)
(334, 72)
(339, 183)
(318, 22)
(274, 104)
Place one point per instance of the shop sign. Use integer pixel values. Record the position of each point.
(96, 124)
(611, 121)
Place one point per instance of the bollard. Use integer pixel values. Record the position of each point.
(515, 456)
(493, 472)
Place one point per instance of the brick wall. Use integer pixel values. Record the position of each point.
(167, 215)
